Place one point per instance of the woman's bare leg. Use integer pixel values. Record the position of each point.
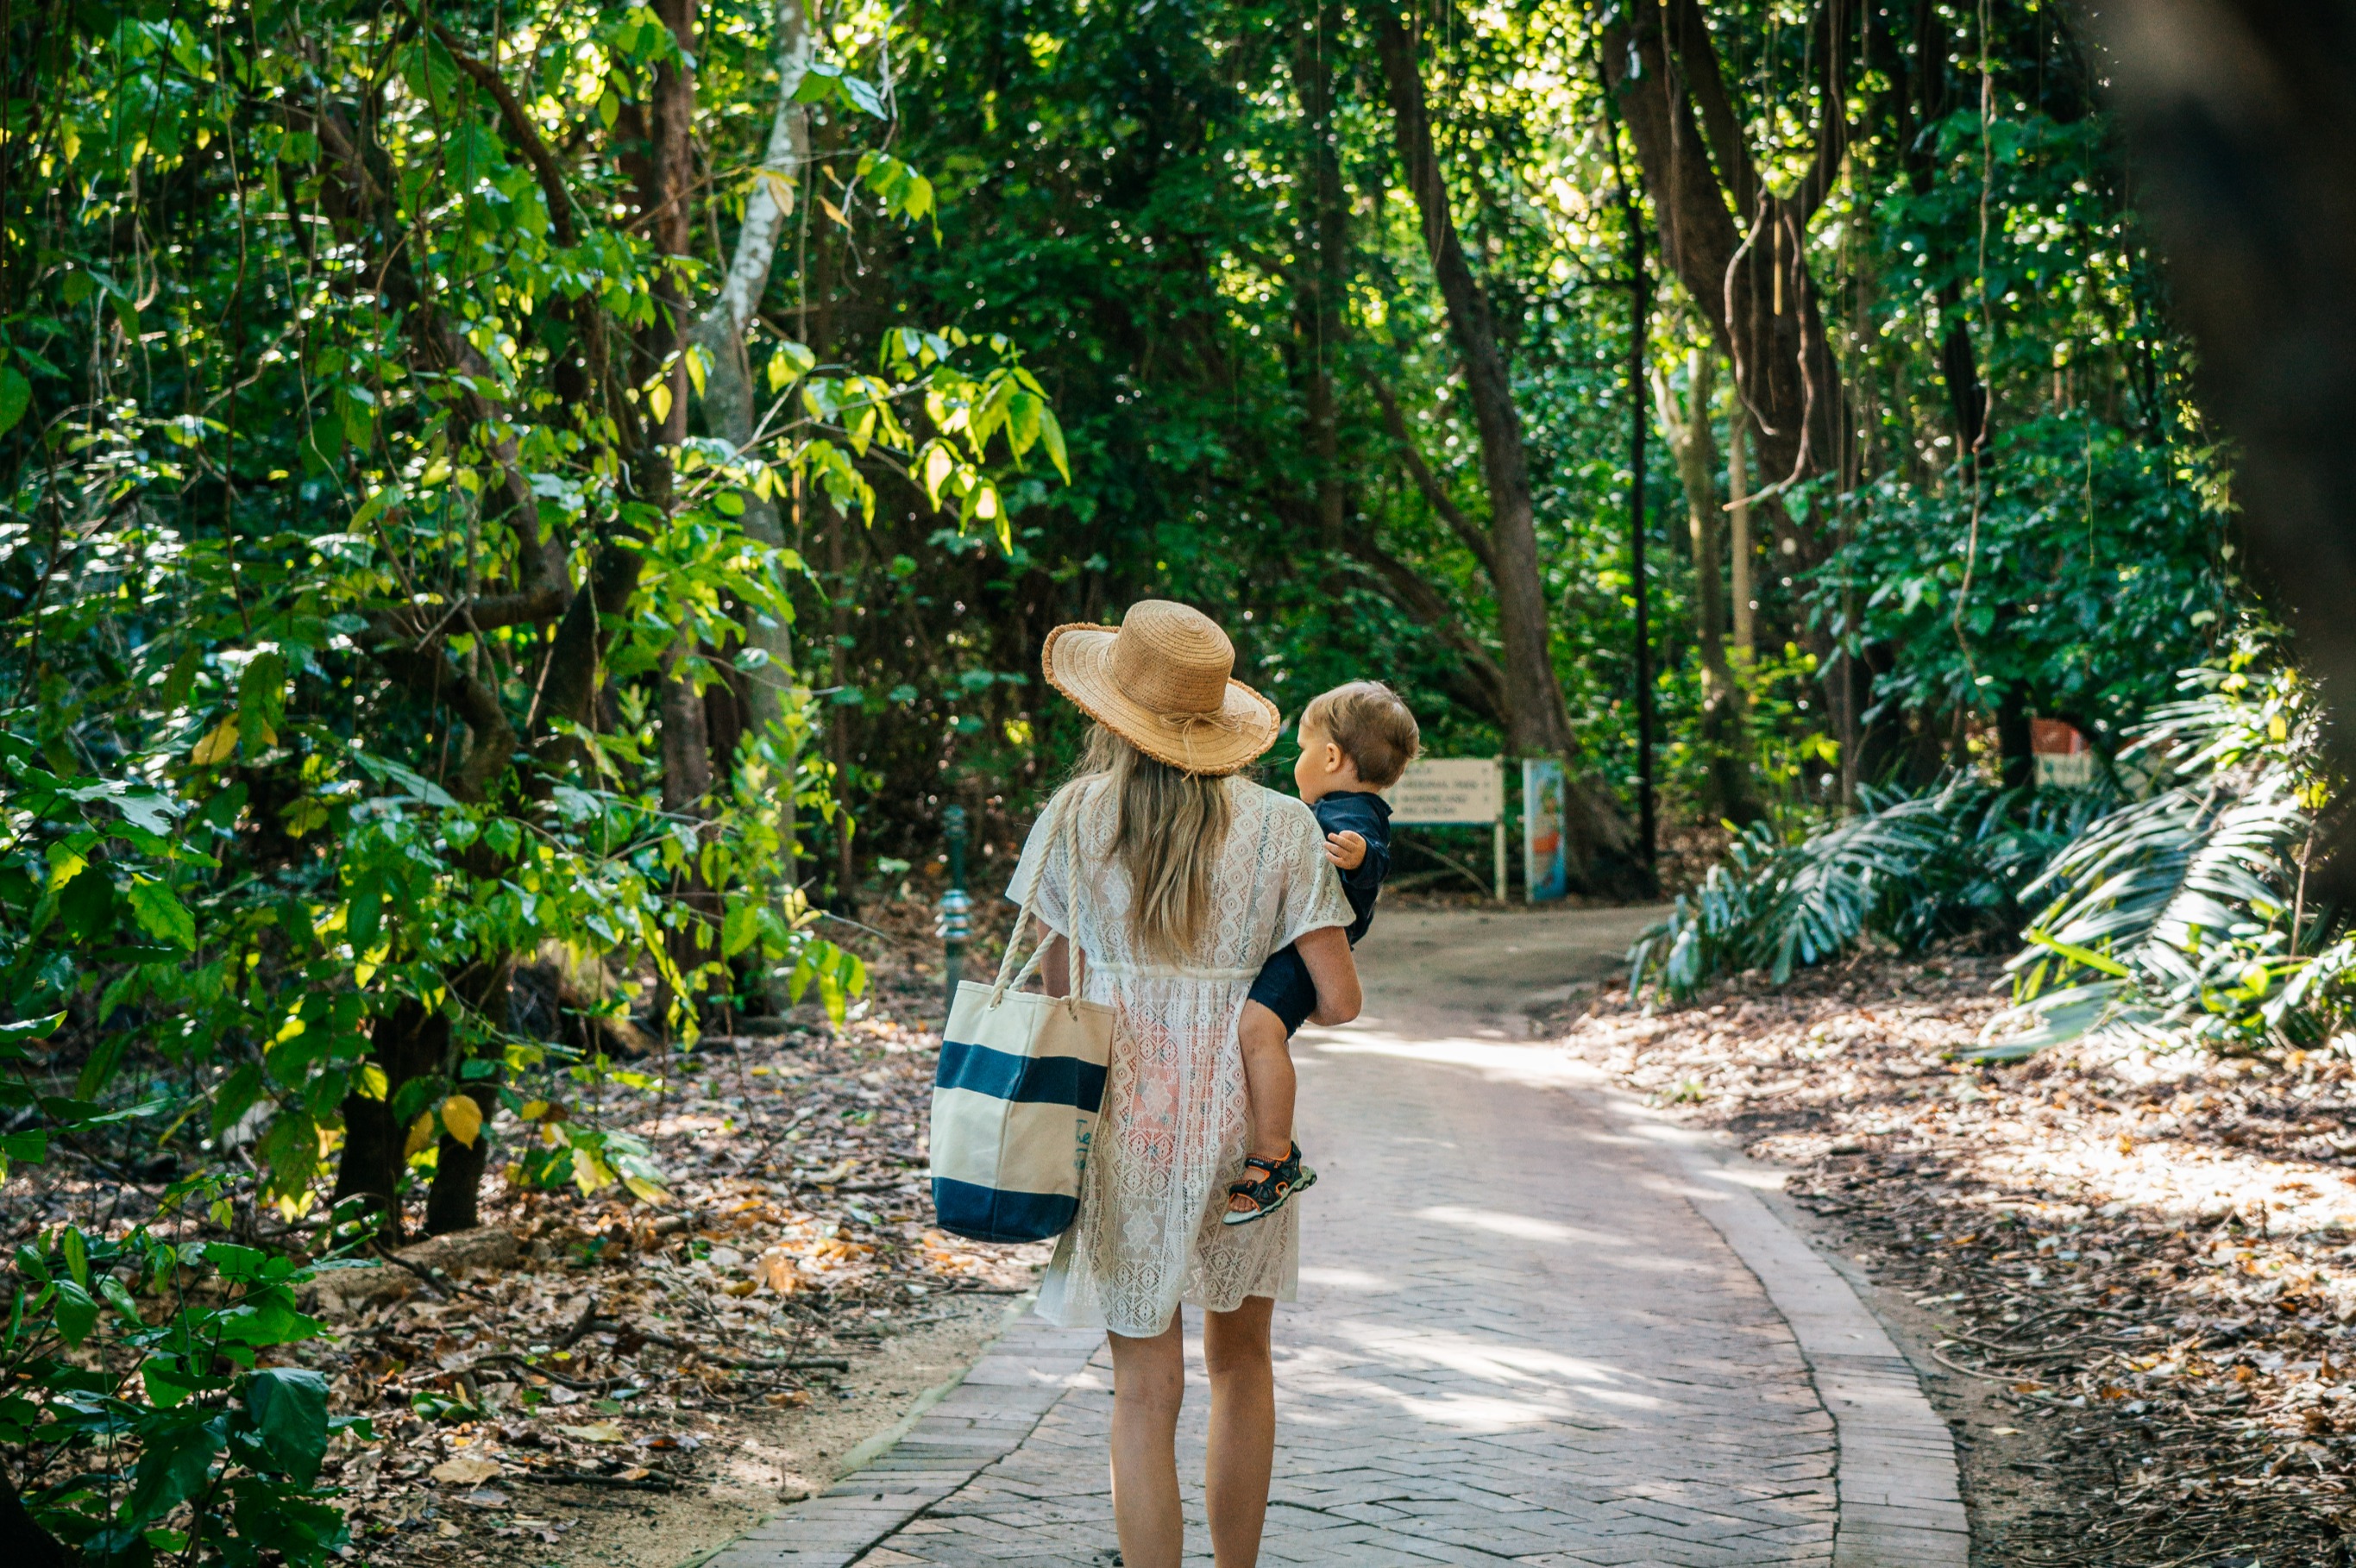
(1149, 1379)
(1243, 1430)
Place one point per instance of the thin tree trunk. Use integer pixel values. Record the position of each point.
(1722, 727)
(687, 795)
(846, 868)
(729, 410)
(1599, 843)
(1322, 243)
(405, 1044)
(1738, 486)
(453, 1200)
(686, 747)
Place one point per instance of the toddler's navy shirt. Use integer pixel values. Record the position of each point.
(1368, 814)
(1283, 986)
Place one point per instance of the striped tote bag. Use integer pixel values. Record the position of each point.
(1015, 1099)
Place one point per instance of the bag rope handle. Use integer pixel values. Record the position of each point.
(1068, 822)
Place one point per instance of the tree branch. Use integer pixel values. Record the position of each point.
(527, 135)
(1474, 538)
(351, 191)
(433, 676)
(1832, 127)
(420, 623)
(1483, 689)
(1698, 58)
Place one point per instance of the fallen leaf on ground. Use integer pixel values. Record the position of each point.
(466, 1472)
(599, 1432)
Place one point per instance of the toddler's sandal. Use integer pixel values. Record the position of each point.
(1271, 1192)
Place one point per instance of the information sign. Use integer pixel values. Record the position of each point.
(1545, 871)
(1454, 792)
(1449, 791)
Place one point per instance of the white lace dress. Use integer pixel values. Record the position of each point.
(1173, 1131)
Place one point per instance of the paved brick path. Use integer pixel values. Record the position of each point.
(1520, 1338)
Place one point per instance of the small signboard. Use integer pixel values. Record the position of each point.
(1449, 791)
(2064, 758)
(1544, 869)
(1454, 792)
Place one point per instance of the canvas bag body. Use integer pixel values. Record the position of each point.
(1016, 1100)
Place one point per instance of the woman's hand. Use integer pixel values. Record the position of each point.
(1326, 952)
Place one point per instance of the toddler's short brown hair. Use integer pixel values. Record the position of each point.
(1371, 725)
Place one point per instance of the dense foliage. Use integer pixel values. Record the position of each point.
(511, 517)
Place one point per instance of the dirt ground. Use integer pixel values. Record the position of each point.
(2128, 1272)
(743, 1468)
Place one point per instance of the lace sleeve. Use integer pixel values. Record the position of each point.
(1312, 897)
(1044, 874)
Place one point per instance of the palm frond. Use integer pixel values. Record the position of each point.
(2172, 916)
(1905, 870)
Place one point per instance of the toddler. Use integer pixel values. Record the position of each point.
(1354, 740)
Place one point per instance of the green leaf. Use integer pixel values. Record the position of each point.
(180, 681)
(366, 911)
(76, 1312)
(261, 701)
(32, 1148)
(739, 926)
(175, 1466)
(289, 1406)
(30, 1028)
(16, 397)
(161, 915)
(2077, 954)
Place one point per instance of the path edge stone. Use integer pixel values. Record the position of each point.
(1899, 1487)
(949, 1435)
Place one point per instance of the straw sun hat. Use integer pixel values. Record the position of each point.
(1161, 681)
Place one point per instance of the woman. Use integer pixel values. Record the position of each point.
(1173, 881)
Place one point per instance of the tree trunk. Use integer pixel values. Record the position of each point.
(685, 746)
(406, 1044)
(23, 1542)
(838, 589)
(1742, 549)
(1748, 275)
(729, 405)
(1724, 734)
(2014, 741)
(1320, 247)
(687, 796)
(1601, 846)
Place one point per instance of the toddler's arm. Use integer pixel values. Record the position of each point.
(1347, 849)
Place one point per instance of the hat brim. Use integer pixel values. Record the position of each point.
(1077, 659)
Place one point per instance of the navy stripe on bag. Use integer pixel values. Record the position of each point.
(1024, 1079)
(993, 1214)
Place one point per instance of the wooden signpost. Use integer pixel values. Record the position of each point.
(1453, 792)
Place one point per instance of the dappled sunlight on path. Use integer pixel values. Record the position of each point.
(1515, 1340)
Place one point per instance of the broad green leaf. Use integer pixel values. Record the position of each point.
(161, 915)
(289, 1406)
(175, 1465)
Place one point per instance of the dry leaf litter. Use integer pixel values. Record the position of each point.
(685, 1366)
(2130, 1272)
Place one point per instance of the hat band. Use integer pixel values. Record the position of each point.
(1186, 726)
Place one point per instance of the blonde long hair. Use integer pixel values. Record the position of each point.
(1170, 828)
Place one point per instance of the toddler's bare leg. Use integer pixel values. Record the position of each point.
(1268, 1083)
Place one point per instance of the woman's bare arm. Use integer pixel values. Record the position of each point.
(1327, 953)
(1055, 964)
